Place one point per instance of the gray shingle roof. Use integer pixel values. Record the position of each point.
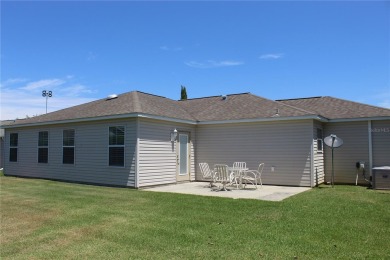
(238, 106)
(335, 108)
(127, 103)
(234, 107)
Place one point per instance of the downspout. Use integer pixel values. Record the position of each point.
(2, 149)
(370, 165)
(136, 173)
(3, 154)
(312, 156)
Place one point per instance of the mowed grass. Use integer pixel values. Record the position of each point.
(43, 219)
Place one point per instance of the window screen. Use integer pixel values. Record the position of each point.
(68, 145)
(116, 147)
(13, 147)
(43, 147)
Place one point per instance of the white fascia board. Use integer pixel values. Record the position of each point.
(358, 119)
(91, 119)
(265, 119)
(192, 122)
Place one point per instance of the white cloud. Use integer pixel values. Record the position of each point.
(381, 98)
(384, 99)
(166, 48)
(384, 103)
(12, 81)
(42, 84)
(76, 90)
(213, 64)
(21, 100)
(271, 56)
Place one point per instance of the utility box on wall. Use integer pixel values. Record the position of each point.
(381, 178)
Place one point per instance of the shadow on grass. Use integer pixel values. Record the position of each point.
(329, 186)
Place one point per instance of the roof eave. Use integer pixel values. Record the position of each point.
(264, 119)
(337, 120)
(193, 122)
(92, 119)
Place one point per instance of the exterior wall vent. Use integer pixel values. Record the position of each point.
(112, 96)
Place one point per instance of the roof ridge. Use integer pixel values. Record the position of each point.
(215, 96)
(137, 104)
(359, 103)
(287, 99)
(294, 107)
(149, 94)
(297, 108)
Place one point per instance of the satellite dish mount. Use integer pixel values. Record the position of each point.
(333, 142)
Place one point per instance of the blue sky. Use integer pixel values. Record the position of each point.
(86, 50)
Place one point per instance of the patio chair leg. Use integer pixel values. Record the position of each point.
(224, 187)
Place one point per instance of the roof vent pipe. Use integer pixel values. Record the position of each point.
(276, 113)
(224, 97)
(112, 96)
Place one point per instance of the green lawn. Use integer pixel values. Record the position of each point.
(47, 219)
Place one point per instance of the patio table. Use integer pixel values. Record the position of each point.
(240, 171)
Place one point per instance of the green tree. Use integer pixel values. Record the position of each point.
(183, 93)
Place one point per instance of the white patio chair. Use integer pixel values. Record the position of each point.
(207, 173)
(253, 176)
(238, 167)
(222, 175)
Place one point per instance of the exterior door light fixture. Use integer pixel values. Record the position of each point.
(173, 135)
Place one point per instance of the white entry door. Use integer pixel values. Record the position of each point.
(183, 157)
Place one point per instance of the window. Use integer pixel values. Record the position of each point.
(43, 147)
(68, 146)
(13, 147)
(116, 146)
(319, 140)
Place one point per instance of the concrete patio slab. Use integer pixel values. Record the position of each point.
(267, 192)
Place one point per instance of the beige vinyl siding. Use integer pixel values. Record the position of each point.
(286, 145)
(380, 132)
(355, 148)
(318, 156)
(157, 154)
(91, 154)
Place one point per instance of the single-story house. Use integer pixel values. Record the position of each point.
(130, 139)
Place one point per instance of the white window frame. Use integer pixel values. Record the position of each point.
(69, 146)
(43, 146)
(117, 145)
(13, 147)
(321, 139)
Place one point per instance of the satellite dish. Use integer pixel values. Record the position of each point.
(333, 141)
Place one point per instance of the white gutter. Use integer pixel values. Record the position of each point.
(193, 122)
(358, 119)
(370, 147)
(91, 119)
(268, 119)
